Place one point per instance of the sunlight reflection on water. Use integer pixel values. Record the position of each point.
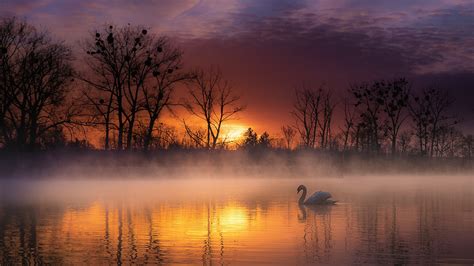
(236, 221)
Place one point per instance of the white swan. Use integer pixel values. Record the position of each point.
(319, 197)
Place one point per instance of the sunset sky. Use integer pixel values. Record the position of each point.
(266, 48)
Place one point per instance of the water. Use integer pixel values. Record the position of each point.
(237, 221)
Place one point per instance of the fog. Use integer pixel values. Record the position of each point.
(62, 178)
(177, 176)
(223, 164)
(199, 188)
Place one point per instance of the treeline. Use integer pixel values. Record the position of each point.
(381, 116)
(118, 88)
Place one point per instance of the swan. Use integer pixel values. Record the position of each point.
(319, 197)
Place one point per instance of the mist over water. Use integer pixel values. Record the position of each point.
(232, 219)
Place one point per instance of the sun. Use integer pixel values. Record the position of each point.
(233, 132)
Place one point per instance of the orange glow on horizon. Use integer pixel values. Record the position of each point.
(233, 132)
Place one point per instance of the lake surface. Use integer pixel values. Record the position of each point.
(385, 220)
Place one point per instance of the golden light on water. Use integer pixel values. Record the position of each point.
(233, 219)
(236, 226)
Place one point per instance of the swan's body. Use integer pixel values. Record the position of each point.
(319, 197)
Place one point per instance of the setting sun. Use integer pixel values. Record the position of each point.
(234, 132)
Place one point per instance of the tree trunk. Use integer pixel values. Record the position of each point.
(149, 134)
(120, 121)
(394, 143)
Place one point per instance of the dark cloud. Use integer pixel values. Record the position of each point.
(271, 56)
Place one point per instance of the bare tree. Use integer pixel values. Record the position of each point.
(348, 126)
(404, 141)
(165, 76)
(430, 114)
(197, 136)
(165, 137)
(325, 122)
(289, 134)
(35, 74)
(212, 101)
(112, 57)
(99, 111)
(395, 102)
(136, 72)
(467, 148)
(306, 112)
(370, 100)
(420, 114)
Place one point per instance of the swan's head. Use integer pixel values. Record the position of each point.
(301, 187)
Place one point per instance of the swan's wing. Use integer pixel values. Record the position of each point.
(318, 197)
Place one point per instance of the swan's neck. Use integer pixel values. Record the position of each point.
(303, 196)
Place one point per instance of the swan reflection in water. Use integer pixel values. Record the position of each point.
(317, 232)
(314, 210)
(317, 236)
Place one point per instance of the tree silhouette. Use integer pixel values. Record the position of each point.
(467, 147)
(264, 141)
(369, 103)
(289, 134)
(313, 110)
(132, 71)
(306, 112)
(253, 142)
(212, 101)
(429, 112)
(166, 75)
(395, 103)
(250, 139)
(35, 74)
(326, 120)
(348, 126)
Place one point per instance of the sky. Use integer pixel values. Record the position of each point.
(266, 48)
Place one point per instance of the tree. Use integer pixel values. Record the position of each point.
(165, 137)
(381, 105)
(289, 134)
(132, 72)
(250, 139)
(369, 102)
(325, 123)
(35, 77)
(348, 124)
(395, 102)
(212, 101)
(313, 111)
(306, 113)
(404, 141)
(467, 147)
(166, 75)
(264, 141)
(430, 114)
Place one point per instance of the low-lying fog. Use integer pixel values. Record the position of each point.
(200, 187)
